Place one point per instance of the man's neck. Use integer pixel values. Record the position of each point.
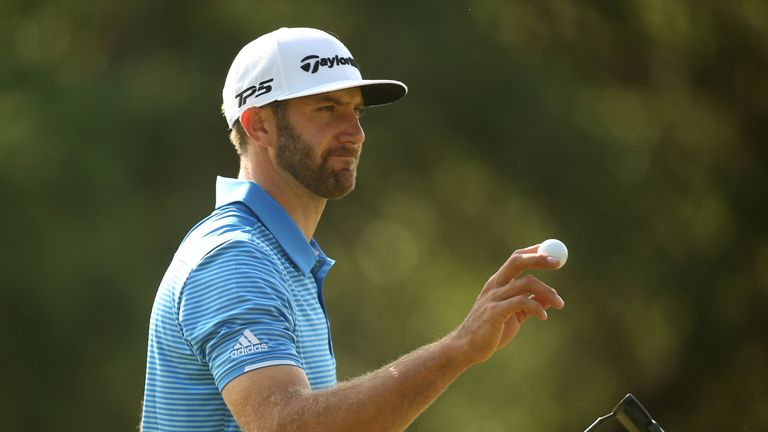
(301, 205)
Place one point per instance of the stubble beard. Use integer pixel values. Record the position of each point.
(295, 156)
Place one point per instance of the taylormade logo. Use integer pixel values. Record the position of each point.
(312, 63)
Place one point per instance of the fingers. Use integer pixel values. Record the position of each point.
(529, 286)
(526, 306)
(529, 249)
(524, 259)
(545, 303)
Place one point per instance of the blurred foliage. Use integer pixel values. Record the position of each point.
(630, 129)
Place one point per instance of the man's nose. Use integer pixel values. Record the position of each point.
(353, 133)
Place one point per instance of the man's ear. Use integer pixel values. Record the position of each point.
(255, 122)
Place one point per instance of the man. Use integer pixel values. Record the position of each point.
(239, 339)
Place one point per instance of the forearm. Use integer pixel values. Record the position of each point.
(388, 399)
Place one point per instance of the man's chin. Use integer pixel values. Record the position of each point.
(343, 184)
(341, 190)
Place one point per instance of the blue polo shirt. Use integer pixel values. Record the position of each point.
(243, 291)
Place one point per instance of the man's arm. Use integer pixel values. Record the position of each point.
(279, 398)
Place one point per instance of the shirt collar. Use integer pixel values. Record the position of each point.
(304, 254)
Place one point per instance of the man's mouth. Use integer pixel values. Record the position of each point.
(344, 152)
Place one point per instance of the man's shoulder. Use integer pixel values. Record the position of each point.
(232, 223)
(227, 244)
(227, 218)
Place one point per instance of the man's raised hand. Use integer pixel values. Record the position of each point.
(505, 302)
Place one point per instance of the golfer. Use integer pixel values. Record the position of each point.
(238, 337)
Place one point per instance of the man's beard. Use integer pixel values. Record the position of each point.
(295, 155)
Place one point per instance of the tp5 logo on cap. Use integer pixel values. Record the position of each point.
(262, 89)
(329, 62)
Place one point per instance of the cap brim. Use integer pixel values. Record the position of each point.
(375, 92)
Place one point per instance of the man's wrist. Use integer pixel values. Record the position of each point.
(454, 351)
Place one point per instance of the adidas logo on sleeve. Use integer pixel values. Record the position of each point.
(247, 344)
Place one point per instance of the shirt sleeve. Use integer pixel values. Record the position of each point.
(235, 311)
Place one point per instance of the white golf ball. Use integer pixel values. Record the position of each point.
(554, 248)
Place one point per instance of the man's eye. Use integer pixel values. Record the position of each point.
(328, 108)
(360, 112)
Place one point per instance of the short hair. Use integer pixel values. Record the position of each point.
(239, 138)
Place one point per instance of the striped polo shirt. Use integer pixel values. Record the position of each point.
(243, 291)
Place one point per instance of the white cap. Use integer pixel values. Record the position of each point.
(295, 62)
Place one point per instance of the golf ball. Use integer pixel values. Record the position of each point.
(554, 248)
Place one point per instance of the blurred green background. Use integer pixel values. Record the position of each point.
(633, 130)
